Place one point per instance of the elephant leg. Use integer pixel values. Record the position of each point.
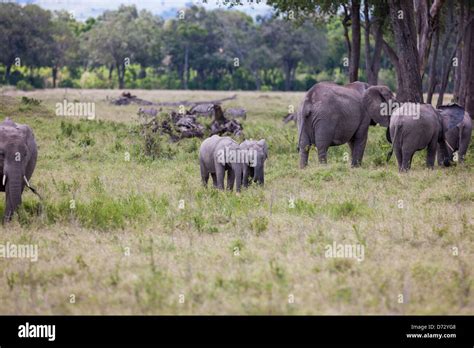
(439, 156)
(407, 155)
(399, 155)
(214, 179)
(204, 175)
(220, 173)
(464, 143)
(304, 145)
(431, 153)
(357, 144)
(230, 179)
(322, 153)
(245, 174)
(324, 136)
(304, 155)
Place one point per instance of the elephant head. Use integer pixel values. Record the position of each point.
(377, 102)
(445, 153)
(257, 153)
(17, 160)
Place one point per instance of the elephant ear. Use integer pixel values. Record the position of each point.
(454, 114)
(263, 144)
(372, 103)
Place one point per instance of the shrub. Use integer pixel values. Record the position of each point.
(24, 86)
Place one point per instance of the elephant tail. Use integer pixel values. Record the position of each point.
(303, 113)
(394, 141)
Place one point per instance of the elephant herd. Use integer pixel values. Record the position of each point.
(330, 115)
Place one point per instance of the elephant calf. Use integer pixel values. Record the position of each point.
(218, 155)
(253, 168)
(18, 153)
(458, 129)
(414, 127)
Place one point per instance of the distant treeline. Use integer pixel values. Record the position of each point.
(220, 50)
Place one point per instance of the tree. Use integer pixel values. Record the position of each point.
(291, 44)
(373, 57)
(313, 9)
(116, 40)
(26, 36)
(403, 25)
(65, 44)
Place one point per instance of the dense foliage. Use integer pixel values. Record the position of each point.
(199, 49)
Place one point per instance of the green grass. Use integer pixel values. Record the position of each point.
(110, 230)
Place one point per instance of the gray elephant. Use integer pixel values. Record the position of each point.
(254, 167)
(358, 86)
(18, 154)
(414, 127)
(332, 115)
(218, 155)
(458, 125)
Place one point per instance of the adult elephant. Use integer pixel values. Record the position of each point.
(18, 153)
(332, 115)
(458, 129)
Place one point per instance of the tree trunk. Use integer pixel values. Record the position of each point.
(355, 54)
(345, 20)
(186, 67)
(469, 96)
(256, 76)
(8, 70)
(287, 71)
(368, 56)
(465, 56)
(111, 70)
(457, 68)
(121, 74)
(392, 55)
(55, 75)
(447, 57)
(403, 26)
(372, 61)
(433, 80)
(427, 21)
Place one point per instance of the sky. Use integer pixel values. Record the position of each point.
(83, 9)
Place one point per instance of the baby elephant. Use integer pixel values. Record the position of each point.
(458, 129)
(218, 155)
(253, 168)
(413, 127)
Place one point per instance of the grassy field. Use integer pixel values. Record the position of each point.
(112, 239)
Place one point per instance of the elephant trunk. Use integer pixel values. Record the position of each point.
(13, 190)
(238, 177)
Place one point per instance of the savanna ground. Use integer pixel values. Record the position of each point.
(127, 248)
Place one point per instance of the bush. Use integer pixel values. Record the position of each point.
(24, 86)
(67, 83)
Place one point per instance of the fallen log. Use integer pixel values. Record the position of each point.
(126, 98)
